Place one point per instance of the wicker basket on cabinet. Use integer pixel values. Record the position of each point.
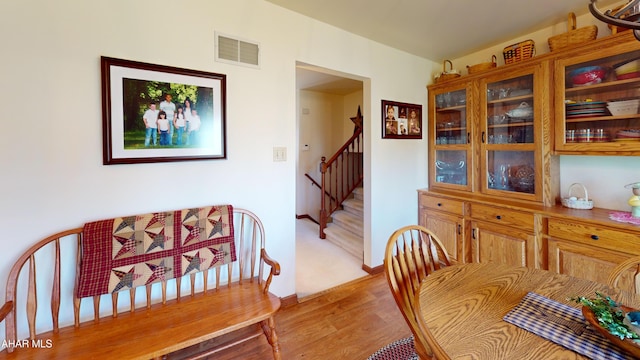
(447, 74)
(573, 36)
(482, 66)
(574, 202)
(520, 51)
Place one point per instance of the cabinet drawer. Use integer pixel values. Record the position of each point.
(502, 216)
(442, 204)
(595, 235)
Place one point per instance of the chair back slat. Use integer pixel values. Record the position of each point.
(178, 288)
(217, 275)
(432, 252)
(55, 289)
(240, 227)
(413, 253)
(409, 268)
(148, 293)
(96, 306)
(114, 305)
(32, 304)
(76, 311)
(163, 284)
(253, 253)
(422, 262)
(77, 301)
(192, 279)
(132, 300)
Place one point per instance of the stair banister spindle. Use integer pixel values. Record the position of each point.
(323, 208)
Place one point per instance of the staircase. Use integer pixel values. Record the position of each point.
(346, 229)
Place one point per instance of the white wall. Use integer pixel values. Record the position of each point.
(316, 129)
(324, 125)
(52, 174)
(603, 176)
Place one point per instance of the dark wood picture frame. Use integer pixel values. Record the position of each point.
(130, 88)
(404, 123)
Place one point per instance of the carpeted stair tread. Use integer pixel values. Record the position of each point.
(354, 206)
(358, 193)
(345, 239)
(349, 222)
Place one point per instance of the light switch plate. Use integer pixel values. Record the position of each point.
(279, 154)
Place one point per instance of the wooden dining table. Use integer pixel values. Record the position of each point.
(463, 307)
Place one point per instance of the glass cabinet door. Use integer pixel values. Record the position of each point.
(450, 135)
(451, 167)
(511, 171)
(510, 109)
(598, 102)
(510, 120)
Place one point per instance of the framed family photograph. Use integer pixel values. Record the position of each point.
(401, 120)
(155, 113)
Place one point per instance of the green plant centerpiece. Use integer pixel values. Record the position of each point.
(615, 318)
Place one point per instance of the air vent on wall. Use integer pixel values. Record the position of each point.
(237, 51)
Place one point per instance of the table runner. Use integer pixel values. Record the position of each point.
(564, 325)
(122, 253)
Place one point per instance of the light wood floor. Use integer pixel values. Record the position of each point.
(351, 321)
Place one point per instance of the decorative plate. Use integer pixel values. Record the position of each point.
(584, 116)
(583, 112)
(586, 105)
(628, 345)
(630, 133)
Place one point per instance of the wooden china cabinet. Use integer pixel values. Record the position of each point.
(486, 135)
(486, 139)
(584, 125)
(494, 138)
(589, 249)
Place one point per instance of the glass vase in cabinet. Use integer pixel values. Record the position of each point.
(598, 100)
(450, 138)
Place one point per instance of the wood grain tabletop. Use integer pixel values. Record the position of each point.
(463, 306)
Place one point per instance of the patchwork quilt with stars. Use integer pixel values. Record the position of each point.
(122, 253)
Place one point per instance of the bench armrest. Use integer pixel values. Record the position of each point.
(275, 268)
(5, 310)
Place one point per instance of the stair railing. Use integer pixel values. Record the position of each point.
(341, 174)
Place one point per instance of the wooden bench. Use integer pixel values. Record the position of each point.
(44, 318)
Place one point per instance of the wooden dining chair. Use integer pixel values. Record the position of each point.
(626, 275)
(412, 253)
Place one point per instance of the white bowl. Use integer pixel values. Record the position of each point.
(625, 109)
(624, 102)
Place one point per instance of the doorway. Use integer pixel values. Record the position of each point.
(326, 100)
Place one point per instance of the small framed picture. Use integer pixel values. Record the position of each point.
(154, 113)
(401, 120)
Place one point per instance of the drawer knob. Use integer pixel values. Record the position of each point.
(498, 217)
(439, 204)
(595, 237)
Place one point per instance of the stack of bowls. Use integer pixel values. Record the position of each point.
(627, 70)
(588, 75)
(623, 107)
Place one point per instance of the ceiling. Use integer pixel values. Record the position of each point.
(439, 29)
(316, 79)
